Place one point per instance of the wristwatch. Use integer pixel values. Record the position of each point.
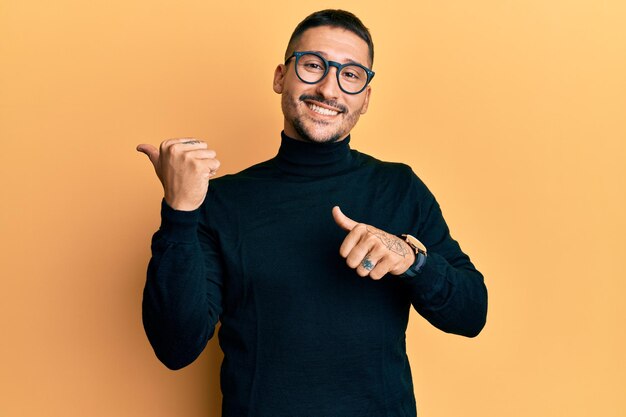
(421, 253)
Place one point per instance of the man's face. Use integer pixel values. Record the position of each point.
(322, 112)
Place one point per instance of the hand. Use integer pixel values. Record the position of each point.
(372, 251)
(184, 167)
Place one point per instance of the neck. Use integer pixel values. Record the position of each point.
(312, 159)
(291, 132)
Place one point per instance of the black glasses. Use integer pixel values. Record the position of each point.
(311, 68)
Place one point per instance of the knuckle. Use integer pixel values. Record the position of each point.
(198, 166)
(174, 148)
(212, 164)
(372, 239)
(185, 156)
(171, 141)
(353, 262)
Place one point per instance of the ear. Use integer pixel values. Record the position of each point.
(279, 78)
(367, 92)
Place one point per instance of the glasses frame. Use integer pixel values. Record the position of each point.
(297, 55)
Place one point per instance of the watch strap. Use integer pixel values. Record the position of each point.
(420, 255)
(420, 260)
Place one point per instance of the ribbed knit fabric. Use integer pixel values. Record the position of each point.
(302, 334)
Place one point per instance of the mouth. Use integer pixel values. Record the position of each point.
(321, 108)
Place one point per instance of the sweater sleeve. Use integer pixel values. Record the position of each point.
(182, 298)
(448, 291)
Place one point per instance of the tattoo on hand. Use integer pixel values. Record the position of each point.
(391, 242)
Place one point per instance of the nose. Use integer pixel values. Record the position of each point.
(329, 86)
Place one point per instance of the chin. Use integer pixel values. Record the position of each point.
(322, 139)
(317, 135)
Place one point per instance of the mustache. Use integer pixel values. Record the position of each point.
(322, 100)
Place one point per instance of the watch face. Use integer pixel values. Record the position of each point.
(416, 244)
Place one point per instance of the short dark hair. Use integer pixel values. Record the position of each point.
(334, 18)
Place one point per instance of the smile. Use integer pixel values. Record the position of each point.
(322, 110)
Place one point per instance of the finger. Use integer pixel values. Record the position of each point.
(190, 141)
(343, 221)
(381, 269)
(212, 165)
(376, 261)
(359, 252)
(202, 153)
(184, 141)
(371, 259)
(150, 151)
(352, 239)
(180, 147)
(365, 266)
(207, 167)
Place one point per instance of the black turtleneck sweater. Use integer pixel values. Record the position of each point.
(302, 334)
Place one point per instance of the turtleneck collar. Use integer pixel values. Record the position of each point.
(313, 159)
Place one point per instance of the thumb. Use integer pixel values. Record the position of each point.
(343, 221)
(151, 151)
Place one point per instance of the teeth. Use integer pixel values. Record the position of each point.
(322, 110)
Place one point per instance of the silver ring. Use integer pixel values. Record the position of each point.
(367, 264)
(191, 142)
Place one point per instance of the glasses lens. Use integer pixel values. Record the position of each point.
(352, 78)
(311, 68)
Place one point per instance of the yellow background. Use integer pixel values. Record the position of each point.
(513, 112)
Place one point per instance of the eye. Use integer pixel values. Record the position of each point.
(313, 65)
(353, 74)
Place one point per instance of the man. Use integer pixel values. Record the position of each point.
(313, 305)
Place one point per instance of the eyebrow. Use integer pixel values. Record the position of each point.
(350, 61)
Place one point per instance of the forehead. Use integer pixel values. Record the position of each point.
(337, 44)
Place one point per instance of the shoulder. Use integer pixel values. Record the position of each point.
(244, 186)
(256, 172)
(397, 172)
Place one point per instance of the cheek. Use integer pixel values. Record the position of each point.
(356, 105)
(290, 104)
(291, 83)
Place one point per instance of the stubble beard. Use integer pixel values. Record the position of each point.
(348, 120)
